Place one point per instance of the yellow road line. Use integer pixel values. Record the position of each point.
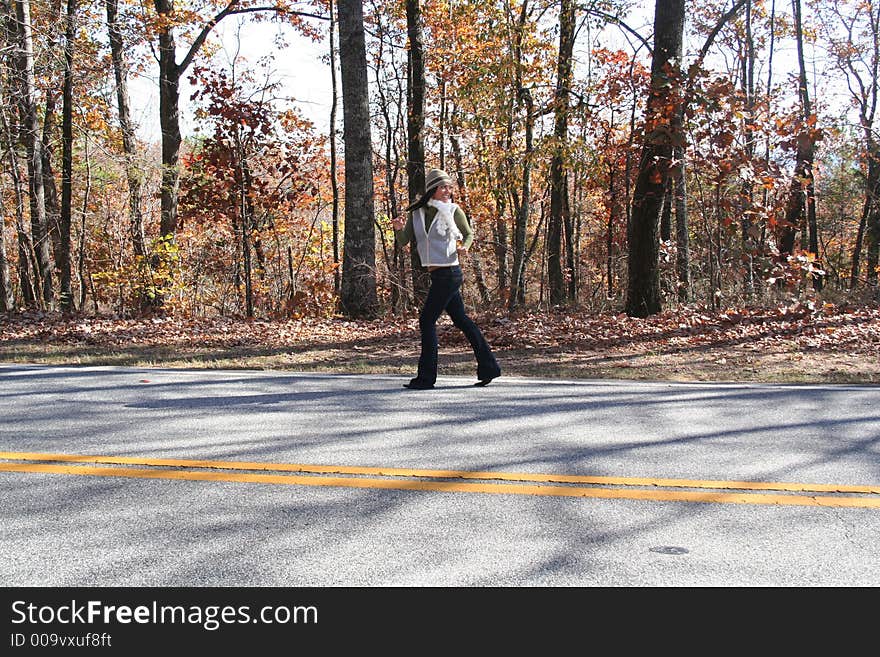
(445, 474)
(440, 486)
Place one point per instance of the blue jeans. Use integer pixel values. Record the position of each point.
(444, 294)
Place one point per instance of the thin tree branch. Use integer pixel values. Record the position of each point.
(617, 21)
(229, 11)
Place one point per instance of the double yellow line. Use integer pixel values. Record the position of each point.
(458, 481)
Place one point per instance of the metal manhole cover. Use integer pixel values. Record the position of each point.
(669, 549)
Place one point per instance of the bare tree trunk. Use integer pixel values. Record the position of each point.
(7, 302)
(359, 259)
(7, 299)
(643, 289)
(765, 193)
(169, 120)
(39, 228)
(517, 280)
(855, 272)
(385, 104)
(50, 190)
(746, 192)
(81, 262)
(50, 104)
(810, 200)
(126, 126)
(500, 227)
(682, 233)
(571, 240)
(63, 255)
(246, 220)
(521, 200)
(801, 194)
(334, 186)
(558, 168)
(415, 124)
(871, 217)
(27, 262)
(869, 225)
(666, 211)
(613, 219)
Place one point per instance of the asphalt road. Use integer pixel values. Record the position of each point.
(211, 478)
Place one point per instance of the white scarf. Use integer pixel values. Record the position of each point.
(445, 220)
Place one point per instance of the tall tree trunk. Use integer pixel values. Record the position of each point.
(169, 120)
(613, 219)
(391, 170)
(6, 300)
(415, 125)
(871, 217)
(334, 186)
(747, 240)
(801, 192)
(570, 235)
(50, 190)
(517, 280)
(558, 168)
(521, 201)
(82, 273)
(682, 231)
(244, 182)
(39, 228)
(855, 271)
(869, 225)
(359, 259)
(809, 119)
(643, 289)
(666, 211)
(63, 256)
(126, 126)
(27, 263)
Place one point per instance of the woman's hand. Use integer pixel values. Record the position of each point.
(462, 250)
(398, 223)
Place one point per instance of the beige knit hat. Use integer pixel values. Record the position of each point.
(435, 178)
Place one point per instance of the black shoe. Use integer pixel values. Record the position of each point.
(418, 384)
(486, 380)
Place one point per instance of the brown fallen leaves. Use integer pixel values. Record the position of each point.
(785, 343)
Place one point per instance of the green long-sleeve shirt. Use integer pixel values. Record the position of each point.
(406, 235)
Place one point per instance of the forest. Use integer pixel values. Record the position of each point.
(612, 157)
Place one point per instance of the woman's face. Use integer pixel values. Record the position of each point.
(443, 193)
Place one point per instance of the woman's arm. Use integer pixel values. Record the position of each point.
(464, 227)
(403, 229)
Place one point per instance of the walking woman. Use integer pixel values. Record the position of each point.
(441, 231)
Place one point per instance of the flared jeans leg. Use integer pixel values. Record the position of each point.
(444, 295)
(487, 366)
